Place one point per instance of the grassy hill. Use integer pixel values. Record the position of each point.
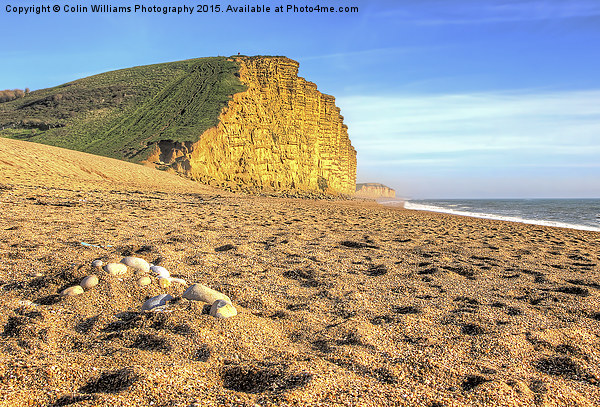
(120, 113)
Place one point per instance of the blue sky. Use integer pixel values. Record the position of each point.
(443, 99)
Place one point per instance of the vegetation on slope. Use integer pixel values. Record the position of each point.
(11, 94)
(121, 113)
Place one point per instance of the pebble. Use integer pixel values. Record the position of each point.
(115, 269)
(97, 263)
(144, 281)
(158, 301)
(75, 290)
(199, 292)
(164, 282)
(222, 309)
(178, 280)
(136, 263)
(89, 281)
(160, 271)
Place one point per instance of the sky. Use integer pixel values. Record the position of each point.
(443, 98)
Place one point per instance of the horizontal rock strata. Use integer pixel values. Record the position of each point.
(280, 134)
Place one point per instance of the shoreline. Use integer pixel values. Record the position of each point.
(548, 223)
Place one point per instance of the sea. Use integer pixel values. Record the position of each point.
(582, 214)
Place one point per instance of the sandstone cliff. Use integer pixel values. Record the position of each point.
(280, 134)
(374, 190)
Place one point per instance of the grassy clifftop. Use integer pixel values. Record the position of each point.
(120, 113)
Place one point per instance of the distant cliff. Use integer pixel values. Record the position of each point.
(374, 190)
(240, 121)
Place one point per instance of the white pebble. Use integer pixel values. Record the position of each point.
(115, 269)
(144, 281)
(75, 290)
(178, 280)
(136, 263)
(97, 263)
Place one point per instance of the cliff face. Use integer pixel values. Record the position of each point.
(280, 134)
(374, 190)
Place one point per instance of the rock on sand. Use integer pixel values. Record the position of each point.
(199, 292)
(222, 309)
(136, 263)
(75, 290)
(144, 281)
(115, 269)
(89, 281)
(178, 280)
(160, 271)
(154, 302)
(164, 282)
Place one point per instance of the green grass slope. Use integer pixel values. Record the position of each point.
(119, 114)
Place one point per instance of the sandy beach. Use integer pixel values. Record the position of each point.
(340, 303)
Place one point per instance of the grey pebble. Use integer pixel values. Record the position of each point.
(158, 301)
(160, 271)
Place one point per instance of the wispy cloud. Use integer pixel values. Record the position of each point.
(486, 130)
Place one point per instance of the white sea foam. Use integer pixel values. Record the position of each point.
(433, 208)
(391, 202)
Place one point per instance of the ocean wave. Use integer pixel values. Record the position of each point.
(440, 209)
